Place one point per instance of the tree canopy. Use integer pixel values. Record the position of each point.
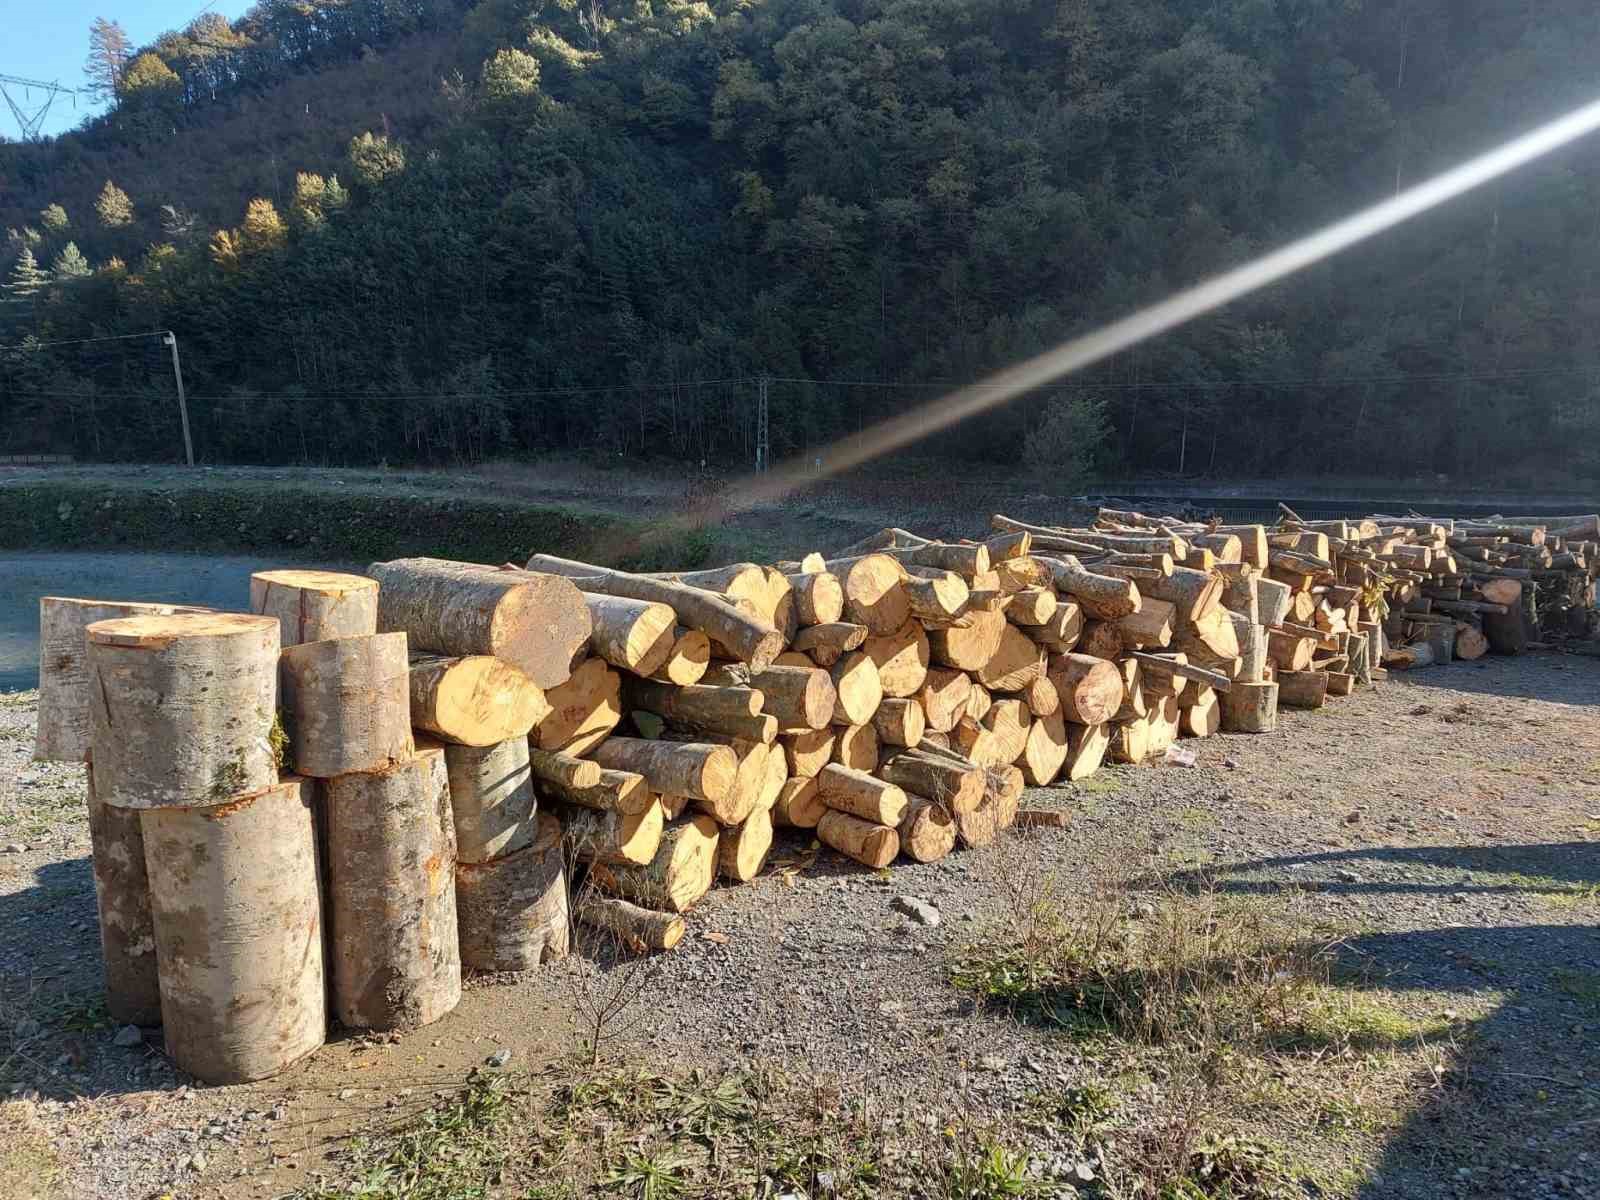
(596, 226)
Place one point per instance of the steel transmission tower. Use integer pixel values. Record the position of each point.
(29, 118)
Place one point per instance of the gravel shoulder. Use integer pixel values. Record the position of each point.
(1444, 830)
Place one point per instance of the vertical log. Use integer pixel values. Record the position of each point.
(512, 911)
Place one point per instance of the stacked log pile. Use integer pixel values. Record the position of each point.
(466, 747)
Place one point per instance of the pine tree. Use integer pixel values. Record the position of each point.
(114, 207)
(263, 228)
(27, 280)
(70, 264)
(54, 218)
(109, 48)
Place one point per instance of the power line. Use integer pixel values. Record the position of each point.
(115, 337)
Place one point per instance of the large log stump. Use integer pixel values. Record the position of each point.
(63, 709)
(492, 802)
(347, 704)
(237, 907)
(182, 707)
(1250, 707)
(391, 875)
(316, 606)
(537, 623)
(512, 911)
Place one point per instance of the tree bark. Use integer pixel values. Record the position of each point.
(1015, 664)
(612, 837)
(700, 771)
(1250, 707)
(512, 911)
(861, 795)
(688, 659)
(492, 801)
(899, 722)
(347, 704)
(316, 606)
(122, 898)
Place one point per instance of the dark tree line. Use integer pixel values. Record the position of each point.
(614, 219)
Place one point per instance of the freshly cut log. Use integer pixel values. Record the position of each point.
(749, 781)
(1045, 752)
(1213, 632)
(1193, 593)
(1151, 625)
(63, 707)
(793, 658)
(938, 597)
(742, 851)
(1290, 651)
(1031, 606)
(1252, 651)
(1130, 740)
(535, 622)
(673, 807)
(799, 804)
(1062, 631)
(765, 591)
(236, 903)
(1086, 750)
(1250, 707)
(181, 707)
(955, 784)
(1302, 689)
(1163, 724)
(1241, 590)
(347, 704)
(701, 771)
(927, 831)
(749, 638)
(1471, 644)
(631, 635)
(392, 896)
(857, 688)
(800, 698)
(1103, 597)
(1042, 698)
(612, 837)
(943, 698)
(1009, 546)
(679, 875)
(901, 658)
(869, 844)
(827, 644)
(637, 929)
(1418, 654)
(562, 773)
(122, 898)
(899, 722)
(1090, 688)
(982, 826)
(818, 597)
(315, 606)
(968, 647)
(1016, 662)
(614, 791)
(1274, 600)
(970, 739)
(1501, 591)
(807, 753)
(861, 795)
(512, 911)
(1023, 575)
(1228, 547)
(777, 775)
(1341, 683)
(1203, 717)
(1008, 721)
(1507, 633)
(587, 704)
(873, 596)
(687, 660)
(473, 701)
(492, 802)
(701, 708)
(962, 558)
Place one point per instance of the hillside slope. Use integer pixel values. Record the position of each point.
(619, 219)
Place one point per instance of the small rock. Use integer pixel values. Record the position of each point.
(1144, 910)
(1458, 897)
(128, 1036)
(15, 848)
(500, 1057)
(917, 909)
(992, 1062)
(1353, 818)
(346, 1093)
(27, 1028)
(197, 1161)
(1082, 1172)
(1349, 876)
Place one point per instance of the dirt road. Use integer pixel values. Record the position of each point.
(1442, 834)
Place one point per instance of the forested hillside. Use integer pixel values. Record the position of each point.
(413, 230)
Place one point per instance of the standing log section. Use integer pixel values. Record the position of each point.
(749, 638)
(235, 895)
(492, 801)
(1250, 708)
(63, 709)
(182, 707)
(347, 704)
(512, 911)
(316, 606)
(122, 897)
(473, 701)
(537, 623)
(391, 874)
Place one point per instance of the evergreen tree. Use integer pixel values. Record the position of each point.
(113, 207)
(54, 218)
(70, 264)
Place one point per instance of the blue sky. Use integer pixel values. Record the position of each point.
(52, 40)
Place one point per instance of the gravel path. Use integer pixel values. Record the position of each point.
(1446, 826)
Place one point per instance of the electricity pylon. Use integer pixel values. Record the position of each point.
(31, 120)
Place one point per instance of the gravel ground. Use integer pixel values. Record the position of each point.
(1446, 826)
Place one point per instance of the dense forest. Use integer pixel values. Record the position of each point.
(435, 231)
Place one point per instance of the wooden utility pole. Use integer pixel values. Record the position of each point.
(171, 340)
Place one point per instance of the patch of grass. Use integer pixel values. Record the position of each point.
(1583, 986)
(1101, 784)
(1195, 818)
